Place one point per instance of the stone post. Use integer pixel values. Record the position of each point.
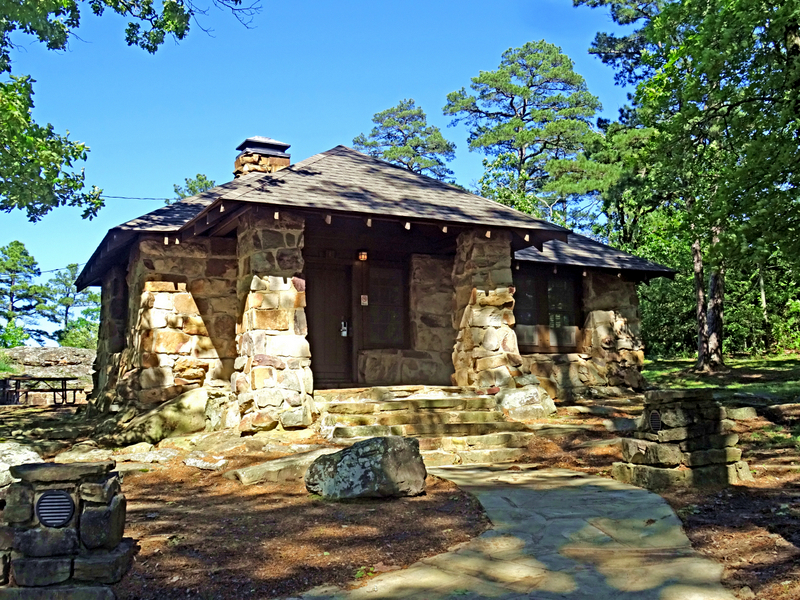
(486, 353)
(273, 378)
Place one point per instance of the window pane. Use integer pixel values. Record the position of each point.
(561, 300)
(385, 313)
(561, 307)
(525, 299)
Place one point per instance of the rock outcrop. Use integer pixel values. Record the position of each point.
(379, 467)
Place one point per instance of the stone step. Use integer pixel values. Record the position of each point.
(407, 418)
(580, 411)
(440, 458)
(415, 404)
(424, 430)
(550, 430)
(508, 439)
(381, 393)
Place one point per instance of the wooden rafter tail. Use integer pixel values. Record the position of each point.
(229, 224)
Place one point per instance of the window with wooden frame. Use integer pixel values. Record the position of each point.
(386, 315)
(547, 309)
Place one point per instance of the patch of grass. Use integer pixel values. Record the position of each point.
(6, 364)
(777, 436)
(777, 376)
(362, 572)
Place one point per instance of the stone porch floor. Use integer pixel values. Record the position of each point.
(557, 535)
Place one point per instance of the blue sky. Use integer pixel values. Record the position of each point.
(309, 73)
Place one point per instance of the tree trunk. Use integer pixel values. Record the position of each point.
(700, 295)
(716, 296)
(767, 332)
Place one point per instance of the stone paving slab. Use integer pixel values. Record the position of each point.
(557, 535)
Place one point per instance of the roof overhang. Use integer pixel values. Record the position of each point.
(221, 217)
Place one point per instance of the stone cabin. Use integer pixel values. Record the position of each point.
(343, 270)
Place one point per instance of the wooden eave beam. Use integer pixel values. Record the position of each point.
(227, 225)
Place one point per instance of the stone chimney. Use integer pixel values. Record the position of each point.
(261, 155)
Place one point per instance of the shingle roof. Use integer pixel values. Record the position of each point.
(170, 217)
(581, 251)
(342, 179)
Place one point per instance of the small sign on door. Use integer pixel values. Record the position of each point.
(364, 300)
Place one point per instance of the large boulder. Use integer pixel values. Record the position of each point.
(12, 454)
(179, 416)
(529, 402)
(375, 468)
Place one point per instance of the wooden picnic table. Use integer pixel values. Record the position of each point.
(11, 388)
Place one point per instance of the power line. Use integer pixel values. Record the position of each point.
(61, 269)
(133, 198)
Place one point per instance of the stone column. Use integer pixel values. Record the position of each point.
(486, 353)
(273, 376)
(110, 338)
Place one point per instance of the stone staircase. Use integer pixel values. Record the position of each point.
(453, 425)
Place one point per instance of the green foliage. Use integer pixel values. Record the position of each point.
(533, 110)
(6, 364)
(20, 298)
(193, 186)
(62, 298)
(402, 136)
(362, 572)
(52, 22)
(624, 52)
(36, 164)
(723, 97)
(12, 335)
(712, 138)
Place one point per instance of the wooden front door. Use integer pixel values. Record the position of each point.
(329, 300)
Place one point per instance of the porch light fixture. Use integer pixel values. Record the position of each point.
(362, 255)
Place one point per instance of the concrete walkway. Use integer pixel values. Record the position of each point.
(557, 535)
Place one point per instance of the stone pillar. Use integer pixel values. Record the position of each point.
(110, 337)
(63, 524)
(273, 376)
(612, 335)
(486, 352)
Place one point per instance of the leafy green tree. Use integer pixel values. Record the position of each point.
(20, 298)
(402, 136)
(532, 110)
(623, 52)
(193, 186)
(11, 336)
(80, 333)
(63, 301)
(37, 165)
(36, 173)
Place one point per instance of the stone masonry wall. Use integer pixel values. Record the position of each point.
(613, 352)
(486, 352)
(432, 335)
(272, 378)
(111, 336)
(182, 320)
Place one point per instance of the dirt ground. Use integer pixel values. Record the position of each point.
(202, 536)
